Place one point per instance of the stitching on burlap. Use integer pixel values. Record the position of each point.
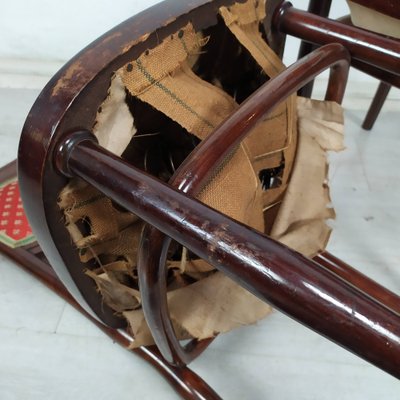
(184, 44)
(89, 201)
(171, 94)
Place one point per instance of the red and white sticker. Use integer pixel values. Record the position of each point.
(14, 227)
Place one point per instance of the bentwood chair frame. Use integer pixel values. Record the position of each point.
(56, 142)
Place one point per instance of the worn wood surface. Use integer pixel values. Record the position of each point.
(71, 100)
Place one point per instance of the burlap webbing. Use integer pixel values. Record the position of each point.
(84, 205)
(231, 306)
(243, 20)
(163, 78)
(300, 225)
(278, 134)
(220, 303)
(118, 296)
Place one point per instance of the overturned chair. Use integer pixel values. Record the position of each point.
(176, 184)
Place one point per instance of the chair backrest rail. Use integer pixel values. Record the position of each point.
(365, 46)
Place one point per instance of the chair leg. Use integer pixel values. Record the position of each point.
(30, 258)
(321, 8)
(376, 105)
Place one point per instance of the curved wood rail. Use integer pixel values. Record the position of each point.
(199, 166)
(382, 75)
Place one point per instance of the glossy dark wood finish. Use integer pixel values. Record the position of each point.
(360, 281)
(276, 274)
(321, 8)
(384, 76)
(364, 46)
(384, 87)
(183, 380)
(197, 169)
(376, 105)
(70, 100)
(276, 39)
(294, 284)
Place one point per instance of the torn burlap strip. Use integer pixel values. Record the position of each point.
(89, 215)
(243, 20)
(162, 77)
(274, 139)
(300, 225)
(301, 222)
(200, 107)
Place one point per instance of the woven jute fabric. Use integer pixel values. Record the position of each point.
(243, 20)
(274, 140)
(162, 77)
(202, 301)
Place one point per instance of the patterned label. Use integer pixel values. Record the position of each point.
(14, 227)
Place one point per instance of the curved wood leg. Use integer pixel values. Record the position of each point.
(376, 105)
(321, 8)
(31, 258)
(182, 379)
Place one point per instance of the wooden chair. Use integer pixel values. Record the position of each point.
(57, 145)
(386, 10)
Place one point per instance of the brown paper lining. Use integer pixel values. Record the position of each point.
(301, 222)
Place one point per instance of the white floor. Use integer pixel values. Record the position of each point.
(49, 351)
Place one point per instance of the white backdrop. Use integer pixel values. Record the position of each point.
(38, 36)
(57, 29)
